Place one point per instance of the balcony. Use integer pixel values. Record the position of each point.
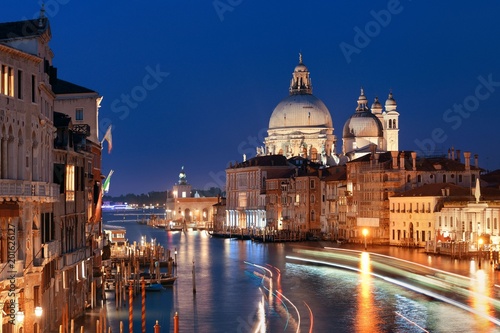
(21, 190)
(75, 257)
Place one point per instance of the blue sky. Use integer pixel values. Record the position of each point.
(203, 77)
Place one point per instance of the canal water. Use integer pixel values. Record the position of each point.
(236, 293)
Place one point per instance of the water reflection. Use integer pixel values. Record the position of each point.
(480, 297)
(366, 319)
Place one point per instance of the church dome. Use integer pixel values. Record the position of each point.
(390, 103)
(363, 123)
(301, 108)
(376, 106)
(300, 111)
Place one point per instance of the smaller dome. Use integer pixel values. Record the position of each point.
(301, 68)
(362, 124)
(390, 103)
(376, 106)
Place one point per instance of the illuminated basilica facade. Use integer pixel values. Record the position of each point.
(301, 125)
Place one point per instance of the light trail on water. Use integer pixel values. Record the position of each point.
(278, 293)
(407, 286)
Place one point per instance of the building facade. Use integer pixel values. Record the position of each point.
(246, 188)
(47, 189)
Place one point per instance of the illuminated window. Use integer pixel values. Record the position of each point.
(242, 199)
(70, 182)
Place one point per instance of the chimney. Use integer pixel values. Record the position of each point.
(394, 155)
(476, 161)
(452, 153)
(458, 155)
(414, 160)
(402, 160)
(467, 160)
(449, 153)
(377, 155)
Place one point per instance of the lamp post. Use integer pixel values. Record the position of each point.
(38, 315)
(365, 232)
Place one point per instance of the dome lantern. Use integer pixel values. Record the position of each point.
(301, 82)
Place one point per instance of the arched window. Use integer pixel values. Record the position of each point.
(419, 178)
(488, 223)
(408, 178)
(444, 178)
(313, 216)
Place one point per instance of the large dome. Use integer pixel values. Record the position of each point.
(300, 111)
(363, 124)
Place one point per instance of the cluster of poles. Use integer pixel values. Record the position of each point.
(101, 325)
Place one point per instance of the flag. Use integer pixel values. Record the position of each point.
(105, 186)
(108, 138)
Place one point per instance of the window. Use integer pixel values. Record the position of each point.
(419, 178)
(312, 183)
(20, 84)
(313, 215)
(79, 114)
(5, 79)
(312, 198)
(242, 199)
(459, 178)
(33, 89)
(10, 89)
(488, 223)
(408, 179)
(440, 221)
(444, 178)
(495, 223)
(70, 182)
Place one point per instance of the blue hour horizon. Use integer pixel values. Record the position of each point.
(194, 85)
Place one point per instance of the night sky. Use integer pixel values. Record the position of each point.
(193, 83)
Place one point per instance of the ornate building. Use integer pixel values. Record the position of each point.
(301, 124)
(371, 126)
(49, 186)
(183, 207)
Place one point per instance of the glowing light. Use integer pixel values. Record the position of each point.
(38, 311)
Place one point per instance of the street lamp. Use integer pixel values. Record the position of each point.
(365, 232)
(38, 311)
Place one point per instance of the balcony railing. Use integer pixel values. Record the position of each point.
(75, 257)
(22, 189)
